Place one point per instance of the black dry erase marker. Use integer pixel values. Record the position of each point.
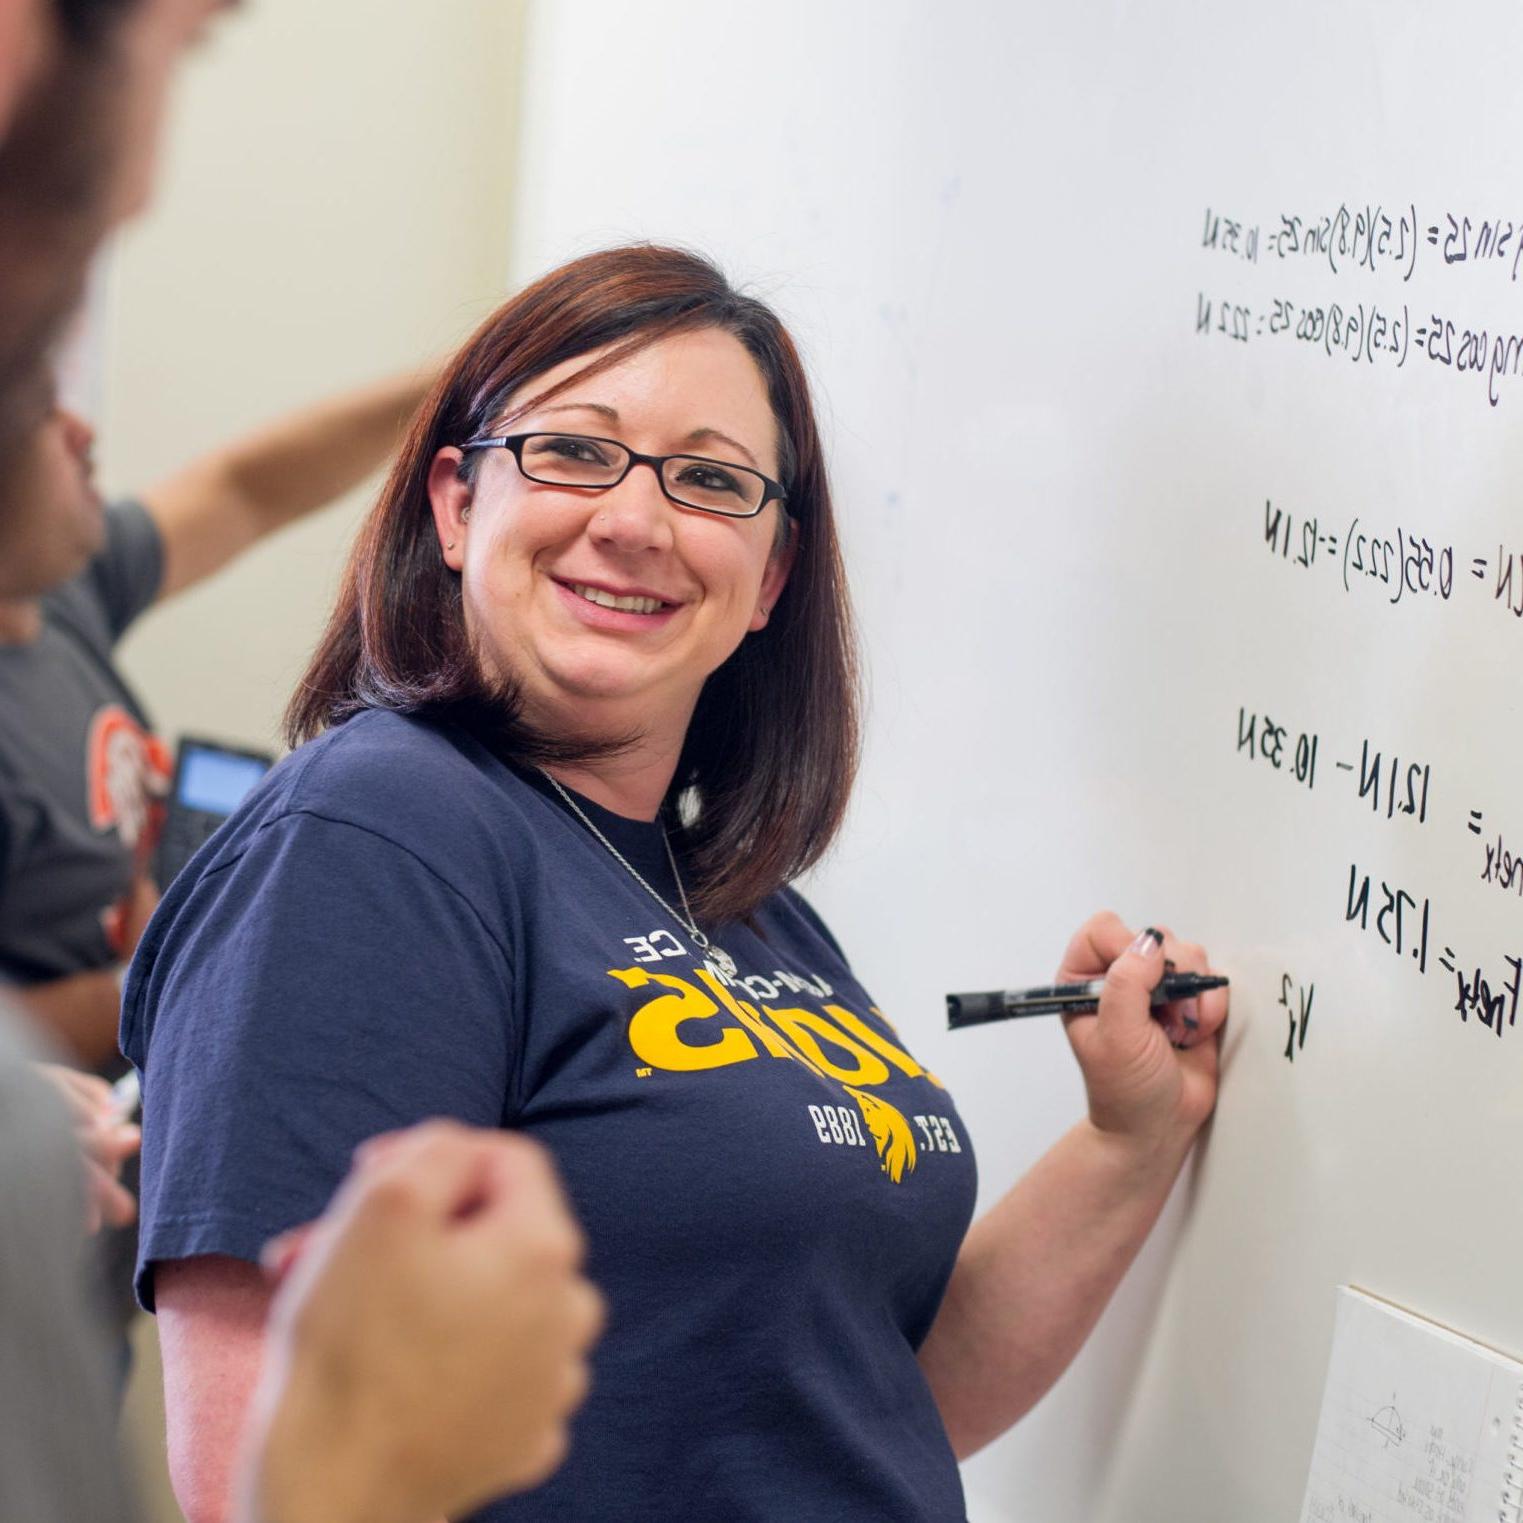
(1057, 999)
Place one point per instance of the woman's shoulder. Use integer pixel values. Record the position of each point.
(423, 785)
(788, 914)
(381, 767)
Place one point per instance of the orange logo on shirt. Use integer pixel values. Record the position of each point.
(127, 775)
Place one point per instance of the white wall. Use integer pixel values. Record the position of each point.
(335, 205)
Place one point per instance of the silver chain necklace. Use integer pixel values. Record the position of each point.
(716, 954)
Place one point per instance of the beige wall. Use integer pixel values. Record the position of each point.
(334, 204)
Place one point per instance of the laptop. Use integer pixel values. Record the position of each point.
(210, 781)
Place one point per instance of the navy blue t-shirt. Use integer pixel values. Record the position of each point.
(397, 925)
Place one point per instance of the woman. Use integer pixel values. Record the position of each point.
(585, 706)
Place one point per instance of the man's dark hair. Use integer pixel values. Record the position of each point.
(87, 22)
(55, 175)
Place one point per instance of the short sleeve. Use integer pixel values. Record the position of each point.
(129, 570)
(324, 986)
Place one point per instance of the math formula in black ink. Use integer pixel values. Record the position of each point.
(1371, 238)
(1392, 561)
(1386, 910)
(1382, 781)
(1398, 918)
(1368, 241)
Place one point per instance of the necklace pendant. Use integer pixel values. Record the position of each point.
(721, 959)
(715, 954)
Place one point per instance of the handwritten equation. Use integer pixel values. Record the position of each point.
(1485, 987)
(1358, 332)
(1371, 238)
(1368, 333)
(1376, 241)
(1426, 1478)
(1392, 559)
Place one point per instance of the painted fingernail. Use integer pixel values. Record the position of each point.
(1189, 1014)
(1147, 943)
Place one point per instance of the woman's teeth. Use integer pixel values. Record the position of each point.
(608, 600)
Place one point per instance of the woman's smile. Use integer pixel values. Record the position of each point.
(645, 608)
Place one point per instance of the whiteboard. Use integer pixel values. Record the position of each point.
(1178, 485)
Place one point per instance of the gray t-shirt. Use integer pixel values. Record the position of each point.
(81, 774)
(81, 778)
(59, 1461)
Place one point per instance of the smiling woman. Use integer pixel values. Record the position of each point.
(490, 592)
(586, 705)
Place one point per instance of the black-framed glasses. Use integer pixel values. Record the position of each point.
(691, 481)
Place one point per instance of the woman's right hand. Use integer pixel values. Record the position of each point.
(428, 1340)
(1149, 1074)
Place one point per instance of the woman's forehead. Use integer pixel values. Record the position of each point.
(700, 382)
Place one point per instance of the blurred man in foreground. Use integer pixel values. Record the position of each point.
(467, 1230)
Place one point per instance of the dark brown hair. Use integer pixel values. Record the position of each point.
(90, 21)
(58, 161)
(763, 779)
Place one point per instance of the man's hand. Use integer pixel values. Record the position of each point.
(136, 911)
(428, 1342)
(81, 1012)
(106, 1142)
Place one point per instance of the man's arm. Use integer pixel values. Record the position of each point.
(425, 1350)
(57, 1455)
(217, 506)
(80, 1012)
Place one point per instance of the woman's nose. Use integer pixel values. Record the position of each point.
(635, 514)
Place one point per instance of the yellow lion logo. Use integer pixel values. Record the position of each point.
(891, 1134)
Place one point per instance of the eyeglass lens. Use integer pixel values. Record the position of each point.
(577, 461)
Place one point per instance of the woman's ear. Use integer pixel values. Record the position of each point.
(450, 498)
(775, 578)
